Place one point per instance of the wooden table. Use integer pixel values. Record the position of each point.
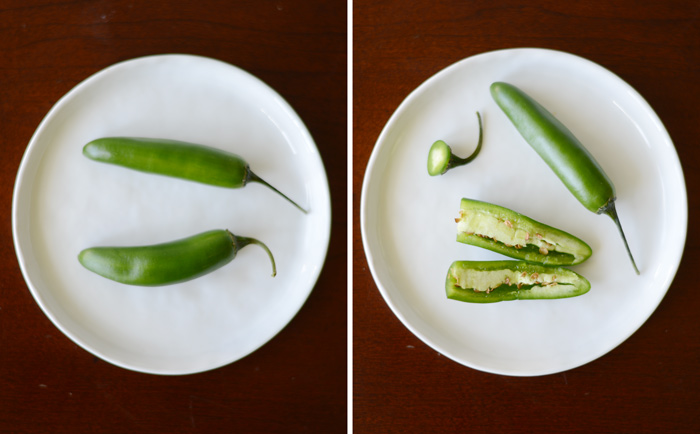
(295, 383)
(649, 383)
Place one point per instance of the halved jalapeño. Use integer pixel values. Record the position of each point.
(517, 236)
(494, 281)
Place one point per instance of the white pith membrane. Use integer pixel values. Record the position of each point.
(488, 280)
(439, 156)
(511, 233)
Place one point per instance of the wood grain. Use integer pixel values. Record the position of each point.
(295, 383)
(650, 383)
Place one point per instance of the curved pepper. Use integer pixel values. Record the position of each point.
(168, 263)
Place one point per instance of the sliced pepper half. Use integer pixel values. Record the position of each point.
(517, 236)
(494, 281)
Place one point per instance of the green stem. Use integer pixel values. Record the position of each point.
(609, 209)
(240, 242)
(255, 178)
(457, 161)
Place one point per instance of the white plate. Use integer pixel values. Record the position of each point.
(64, 202)
(407, 217)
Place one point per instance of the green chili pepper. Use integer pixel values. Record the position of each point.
(441, 159)
(512, 234)
(493, 281)
(562, 151)
(177, 159)
(168, 263)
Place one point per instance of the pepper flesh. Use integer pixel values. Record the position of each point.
(177, 159)
(494, 281)
(505, 231)
(562, 152)
(168, 263)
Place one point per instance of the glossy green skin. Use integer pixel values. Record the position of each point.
(172, 158)
(511, 292)
(582, 251)
(163, 264)
(557, 146)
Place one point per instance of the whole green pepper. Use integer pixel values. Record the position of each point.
(512, 234)
(562, 151)
(493, 281)
(441, 159)
(177, 159)
(168, 263)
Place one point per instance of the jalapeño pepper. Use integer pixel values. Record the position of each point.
(493, 281)
(562, 152)
(512, 234)
(168, 263)
(177, 159)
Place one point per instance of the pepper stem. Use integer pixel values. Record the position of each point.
(441, 159)
(240, 242)
(456, 161)
(609, 209)
(255, 178)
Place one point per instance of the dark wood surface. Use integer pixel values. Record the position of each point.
(651, 382)
(295, 383)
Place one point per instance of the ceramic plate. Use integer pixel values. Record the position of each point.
(407, 217)
(64, 202)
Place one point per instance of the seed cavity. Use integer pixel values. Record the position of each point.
(487, 227)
